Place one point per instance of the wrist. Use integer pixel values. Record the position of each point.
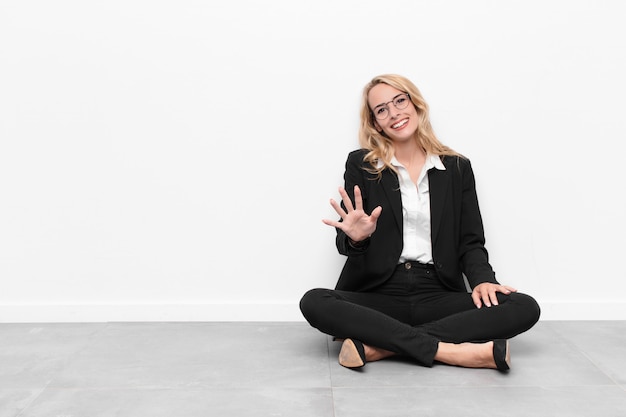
(358, 243)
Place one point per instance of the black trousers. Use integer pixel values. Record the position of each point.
(413, 311)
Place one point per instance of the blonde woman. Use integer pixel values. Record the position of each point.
(410, 227)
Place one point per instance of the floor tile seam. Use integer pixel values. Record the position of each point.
(211, 323)
(74, 356)
(330, 376)
(35, 398)
(489, 386)
(182, 389)
(595, 364)
(583, 351)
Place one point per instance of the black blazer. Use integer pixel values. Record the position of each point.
(457, 234)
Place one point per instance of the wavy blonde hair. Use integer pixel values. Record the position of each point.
(380, 146)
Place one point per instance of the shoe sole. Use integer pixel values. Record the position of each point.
(349, 355)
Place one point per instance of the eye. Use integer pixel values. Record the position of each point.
(381, 110)
(400, 100)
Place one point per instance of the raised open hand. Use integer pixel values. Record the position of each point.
(355, 223)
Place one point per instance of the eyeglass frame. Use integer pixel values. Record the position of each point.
(385, 105)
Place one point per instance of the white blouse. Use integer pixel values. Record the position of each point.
(416, 211)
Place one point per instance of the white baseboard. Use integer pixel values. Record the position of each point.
(149, 313)
(592, 310)
(40, 313)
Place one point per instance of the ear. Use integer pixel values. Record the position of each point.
(377, 126)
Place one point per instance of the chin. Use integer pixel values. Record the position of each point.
(401, 138)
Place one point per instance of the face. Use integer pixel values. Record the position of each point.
(400, 124)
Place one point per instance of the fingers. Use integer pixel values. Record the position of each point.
(487, 294)
(340, 211)
(481, 297)
(358, 199)
(493, 298)
(354, 221)
(476, 298)
(511, 289)
(376, 214)
(332, 223)
(346, 199)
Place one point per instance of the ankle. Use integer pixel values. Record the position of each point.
(375, 354)
(468, 355)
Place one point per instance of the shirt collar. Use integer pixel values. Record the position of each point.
(432, 161)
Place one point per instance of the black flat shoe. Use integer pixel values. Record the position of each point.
(501, 354)
(352, 354)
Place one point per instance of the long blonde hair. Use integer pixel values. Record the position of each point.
(380, 145)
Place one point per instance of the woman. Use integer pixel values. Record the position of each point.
(411, 228)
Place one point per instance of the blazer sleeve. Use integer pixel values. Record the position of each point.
(473, 255)
(353, 175)
(370, 265)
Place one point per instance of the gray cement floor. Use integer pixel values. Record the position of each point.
(289, 369)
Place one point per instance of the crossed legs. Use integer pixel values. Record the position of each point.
(439, 326)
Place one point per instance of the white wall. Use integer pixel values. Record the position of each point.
(172, 160)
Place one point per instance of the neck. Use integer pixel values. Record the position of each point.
(407, 152)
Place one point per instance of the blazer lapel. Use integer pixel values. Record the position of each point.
(391, 186)
(438, 188)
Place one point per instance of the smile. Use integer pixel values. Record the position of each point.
(400, 124)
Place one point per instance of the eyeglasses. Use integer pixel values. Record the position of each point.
(401, 101)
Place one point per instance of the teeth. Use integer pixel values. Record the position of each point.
(401, 123)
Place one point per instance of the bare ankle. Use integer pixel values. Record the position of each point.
(373, 353)
(468, 355)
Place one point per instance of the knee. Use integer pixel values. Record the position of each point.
(529, 310)
(311, 303)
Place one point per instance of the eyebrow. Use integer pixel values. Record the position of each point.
(393, 99)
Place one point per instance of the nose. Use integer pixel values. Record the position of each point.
(393, 113)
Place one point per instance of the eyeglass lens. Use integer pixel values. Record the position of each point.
(399, 102)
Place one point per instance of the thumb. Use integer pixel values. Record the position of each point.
(376, 213)
(476, 297)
